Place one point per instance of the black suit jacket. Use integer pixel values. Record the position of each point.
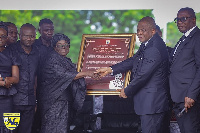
(184, 70)
(149, 85)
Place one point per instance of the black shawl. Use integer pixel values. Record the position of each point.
(57, 75)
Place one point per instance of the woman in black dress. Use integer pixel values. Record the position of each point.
(62, 89)
(9, 75)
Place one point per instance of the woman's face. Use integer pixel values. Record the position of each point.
(3, 37)
(62, 47)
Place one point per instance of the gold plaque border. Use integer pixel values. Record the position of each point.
(132, 37)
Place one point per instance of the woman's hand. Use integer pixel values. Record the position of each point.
(8, 83)
(103, 71)
(93, 75)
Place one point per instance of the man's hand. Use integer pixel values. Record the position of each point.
(188, 103)
(93, 75)
(122, 94)
(104, 71)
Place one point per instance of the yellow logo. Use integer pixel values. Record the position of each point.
(11, 120)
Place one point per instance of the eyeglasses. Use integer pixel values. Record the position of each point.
(63, 46)
(3, 37)
(182, 19)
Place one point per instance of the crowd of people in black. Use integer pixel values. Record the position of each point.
(38, 81)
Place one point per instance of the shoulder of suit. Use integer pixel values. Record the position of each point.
(195, 32)
(152, 52)
(157, 40)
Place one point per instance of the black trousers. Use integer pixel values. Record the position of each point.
(37, 121)
(5, 107)
(26, 118)
(189, 122)
(153, 123)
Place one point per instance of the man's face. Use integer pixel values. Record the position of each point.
(12, 34)
(27, 36)
(144, 32)
(62, 47)
(188, 22)
(3, 37)
(46, 31)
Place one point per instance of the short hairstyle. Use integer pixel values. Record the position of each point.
(57, 37)
(9, 24)
(150, 21)
(45, 21)
(3, 26)
(27, 25)
(189, 10)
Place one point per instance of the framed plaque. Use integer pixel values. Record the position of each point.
(104, 50)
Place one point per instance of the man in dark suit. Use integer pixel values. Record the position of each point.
(149, 77)
(185, 72)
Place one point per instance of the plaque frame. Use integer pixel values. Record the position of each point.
(132, 37)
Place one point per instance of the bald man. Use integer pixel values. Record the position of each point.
(149, 85)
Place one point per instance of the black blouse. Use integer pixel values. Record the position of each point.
(8, 58)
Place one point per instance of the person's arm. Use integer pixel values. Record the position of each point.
(8, 81)
(194, 90)
(85, 74)
(119, 67)
(104, 71)
(150, 64)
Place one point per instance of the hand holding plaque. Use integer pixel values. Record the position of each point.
(122, 93)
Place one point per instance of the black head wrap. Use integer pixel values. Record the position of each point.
(57, 37)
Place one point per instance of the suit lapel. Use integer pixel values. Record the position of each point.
(182, 44)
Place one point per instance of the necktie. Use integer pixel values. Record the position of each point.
(182, 38)
(178, 43)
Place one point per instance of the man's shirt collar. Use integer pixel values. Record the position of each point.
(189, 31)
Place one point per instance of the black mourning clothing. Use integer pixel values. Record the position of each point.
(59, 93)
(24, 101)
(27, 75)
(7, 60)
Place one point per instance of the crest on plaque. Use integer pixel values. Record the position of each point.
(107, 41)
(11, 120)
